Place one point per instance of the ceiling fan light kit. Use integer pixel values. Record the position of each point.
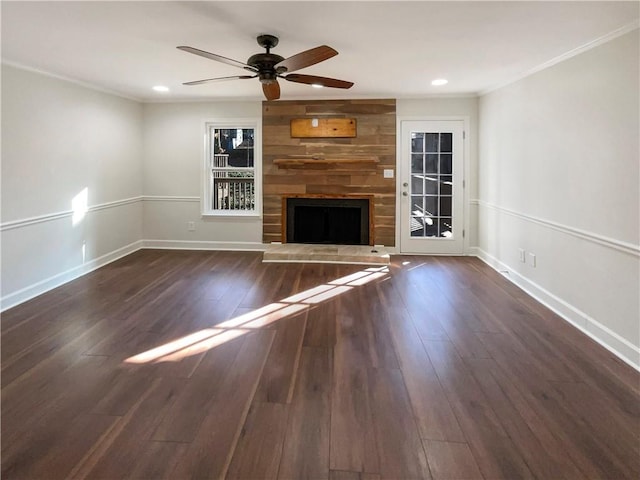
(268, 67)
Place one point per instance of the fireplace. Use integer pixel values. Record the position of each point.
(330, 220)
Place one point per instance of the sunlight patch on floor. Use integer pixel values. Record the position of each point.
(208, 338)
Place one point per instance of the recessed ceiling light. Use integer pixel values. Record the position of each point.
(316, 85)
(161, 88)
(440, 81)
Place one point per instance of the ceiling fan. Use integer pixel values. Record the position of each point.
(268, 67)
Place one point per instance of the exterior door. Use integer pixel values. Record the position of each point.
(431, 193)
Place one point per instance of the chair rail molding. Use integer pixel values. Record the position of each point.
(622, 246)
(25, 222)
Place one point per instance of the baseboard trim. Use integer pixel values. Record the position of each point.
(43, 286)
(610, 340)
(203, 245)
(472, 252)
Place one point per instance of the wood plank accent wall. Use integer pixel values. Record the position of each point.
(376, 137)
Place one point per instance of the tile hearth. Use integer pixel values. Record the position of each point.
(312, 253)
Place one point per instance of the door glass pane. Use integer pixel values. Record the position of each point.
(417, 208)
(417, 163)
(417, 142)
(431, 206)
(446, 185)
(431, 142)
(445, 164)
(431, 186)
(417, 227)
(446, 142)
(431, 228)
(445, 227)
(416, 184)
(445, 206)
(431, 164)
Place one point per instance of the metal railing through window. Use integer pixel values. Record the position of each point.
(233, 193)
(233, 189)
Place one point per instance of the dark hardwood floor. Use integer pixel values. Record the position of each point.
(180, 365)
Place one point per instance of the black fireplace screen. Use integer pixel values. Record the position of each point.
(340, 221)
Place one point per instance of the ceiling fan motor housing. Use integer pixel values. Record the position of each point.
(265, 63)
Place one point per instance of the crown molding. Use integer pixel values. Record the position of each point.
(566, 56)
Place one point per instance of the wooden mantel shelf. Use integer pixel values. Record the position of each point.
(310, 161)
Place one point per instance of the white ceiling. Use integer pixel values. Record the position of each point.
(389, 49)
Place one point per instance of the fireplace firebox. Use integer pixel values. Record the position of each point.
(339, 221)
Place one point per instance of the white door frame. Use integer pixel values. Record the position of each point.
(401, 170)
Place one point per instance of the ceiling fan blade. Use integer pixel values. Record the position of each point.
(307, 58)
(271, 90)
(313, 80)
(207, 80)
(218, 58)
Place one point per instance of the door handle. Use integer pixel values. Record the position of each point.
(405, 184)
(405, 194)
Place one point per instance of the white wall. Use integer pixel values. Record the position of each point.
(559, 177)
(444, 108)
(58, 139)
(173, 157)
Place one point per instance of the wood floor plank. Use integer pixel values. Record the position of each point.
(183, 421)
(426, 321)
(434, 415)
(209, 454)
(260, 445)
(560, 453)
(321, 326)
(352, 307)
(267, 284)
(28, 358)
(459, 323)
(51, 398)
(400, 449)
(277, 380)
(525, 327)
(494, 451)
(306, 446)
(53, 452)
(346, 475)
(451, 461)
(136, 428)
(381, 349)
(599, 416)
(157, 461)
(545, 461)
(539, 401)
(353, 443)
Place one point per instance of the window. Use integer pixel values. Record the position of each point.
(232, 154)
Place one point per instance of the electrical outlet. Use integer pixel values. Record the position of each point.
(532, 259)
(191, 226)
(523, 259)
(388, 173)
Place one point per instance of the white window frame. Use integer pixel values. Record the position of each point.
(206, 196)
